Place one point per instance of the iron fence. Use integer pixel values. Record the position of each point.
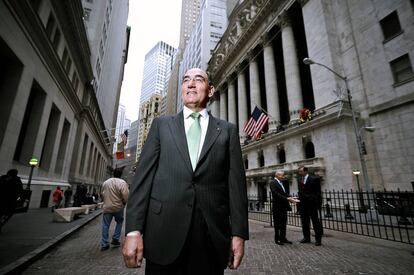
(383, 214)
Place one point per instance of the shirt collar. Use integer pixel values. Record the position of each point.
(187, 112)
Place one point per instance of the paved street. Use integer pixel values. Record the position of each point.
(340, 254)
(27, 235)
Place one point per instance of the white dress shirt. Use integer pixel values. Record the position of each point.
(305, 178)
(204, 117)
(281, 184)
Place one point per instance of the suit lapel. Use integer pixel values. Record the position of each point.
(213, 131)
(279, 187)
(178, 133)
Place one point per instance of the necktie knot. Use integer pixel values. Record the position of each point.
(195, 116)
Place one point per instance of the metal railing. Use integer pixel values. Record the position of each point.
(387, 215)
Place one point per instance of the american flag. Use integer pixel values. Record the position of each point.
(124, 137)
(257, 121)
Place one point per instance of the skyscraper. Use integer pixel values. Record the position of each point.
(208, 29)
(157, 66)
(189, 14)
(108, 37)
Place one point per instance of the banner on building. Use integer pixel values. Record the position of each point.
(120, 150)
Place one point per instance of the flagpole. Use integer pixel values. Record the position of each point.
(264, 111)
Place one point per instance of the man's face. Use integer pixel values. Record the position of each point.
(280, 176)
(301, 172)
(195, 89)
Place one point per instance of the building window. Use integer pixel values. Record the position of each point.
(101, 49)
(260, 159)
(75, 81)
(98, 68)
(64, 56)
(68, 65)
(309, 150)
(390, 26)
(402, 69)
(104, 33)
(281, 156)
(56, 39)
(246, 163)
(86, 14)
(50, 25)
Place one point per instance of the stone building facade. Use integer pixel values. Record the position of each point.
(365, 45)
(48, 103)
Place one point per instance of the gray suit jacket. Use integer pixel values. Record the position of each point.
(165, 188)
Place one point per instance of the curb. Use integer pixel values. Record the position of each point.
(20, 264)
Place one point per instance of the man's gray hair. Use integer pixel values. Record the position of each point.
(280, 172)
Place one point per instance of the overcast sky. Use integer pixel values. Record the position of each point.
(151, 21)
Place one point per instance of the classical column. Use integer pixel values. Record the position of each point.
(255, 98)
(223, 105)
(242, 101)
(215, 106)
(293, 86)
(272, 94)
(231, 97)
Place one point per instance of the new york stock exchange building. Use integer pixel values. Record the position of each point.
(336, 80)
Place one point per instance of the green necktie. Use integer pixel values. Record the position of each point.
(193, 138)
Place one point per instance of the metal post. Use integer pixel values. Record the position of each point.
(30, 177)
(358, 138)
(364, 169)
(362, 207)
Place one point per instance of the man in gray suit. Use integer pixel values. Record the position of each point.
(187, 209)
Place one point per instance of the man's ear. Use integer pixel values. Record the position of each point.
(212, 91)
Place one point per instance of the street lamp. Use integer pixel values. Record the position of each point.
(33, 163)
(362, 207)
(309, 62)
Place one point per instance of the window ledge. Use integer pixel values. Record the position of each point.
(403, 82)
(393, 36)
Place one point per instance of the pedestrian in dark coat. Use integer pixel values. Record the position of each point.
(310, 203)
(12, 189)
(280, 206)
(68, 196)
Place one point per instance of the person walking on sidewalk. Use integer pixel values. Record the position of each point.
(310, 203)
(57, 198)
(68, 196)
(12, 189)
(115, 196)
(280, 198)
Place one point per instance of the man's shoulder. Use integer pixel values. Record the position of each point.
(223, 123)
(165, 119)
(314, 177)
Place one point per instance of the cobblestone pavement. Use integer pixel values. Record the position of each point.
(340, 254)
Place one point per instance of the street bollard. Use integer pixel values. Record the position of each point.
(348, 215)
(328, 213)
(403, 217)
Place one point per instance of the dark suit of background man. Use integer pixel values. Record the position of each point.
(280, 195)
(187, 213)
(310, 204)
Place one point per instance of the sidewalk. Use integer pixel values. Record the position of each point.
(27, 236)
(340, 253)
